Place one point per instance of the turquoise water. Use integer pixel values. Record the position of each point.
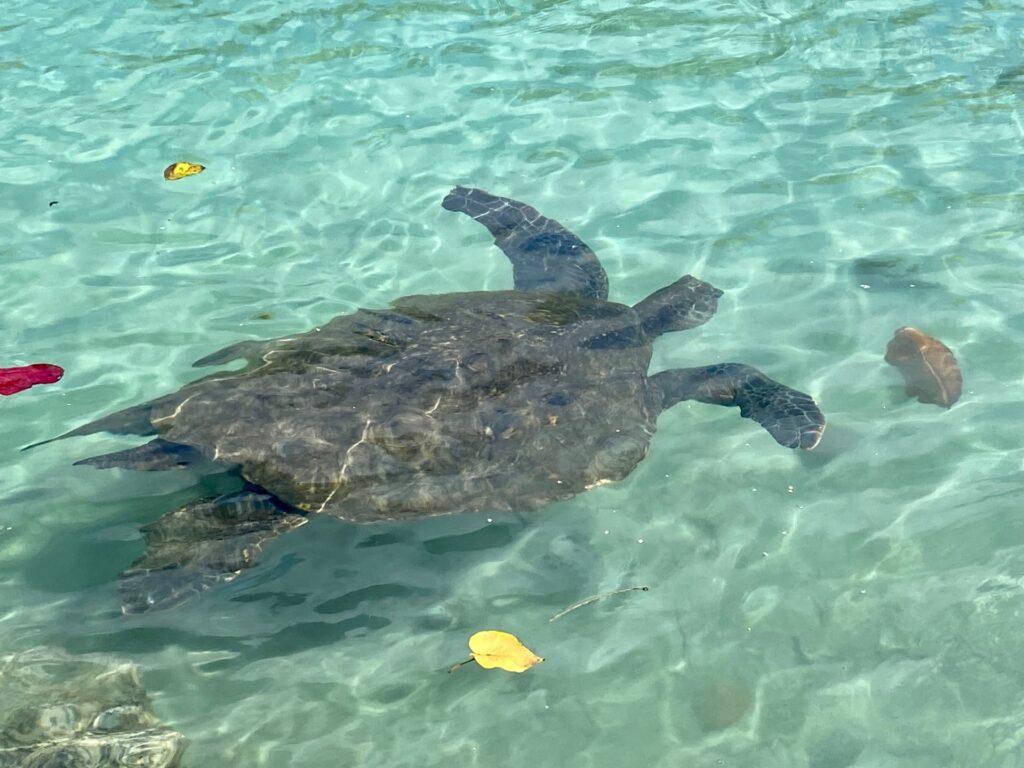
(838, 169)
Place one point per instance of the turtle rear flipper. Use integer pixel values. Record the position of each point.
(155, 455)
(790, 416)
(201, 544)
(545, 255)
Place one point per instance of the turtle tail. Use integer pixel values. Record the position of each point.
(130, 421)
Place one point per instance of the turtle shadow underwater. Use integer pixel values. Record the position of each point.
(487, 400)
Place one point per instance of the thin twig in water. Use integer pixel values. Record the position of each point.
(453, 667)
(595, 598)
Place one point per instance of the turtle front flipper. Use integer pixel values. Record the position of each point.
(545, 255)
(791, 417)
(202, 544)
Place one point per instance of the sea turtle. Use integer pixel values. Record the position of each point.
(79, 712)
(491, 400)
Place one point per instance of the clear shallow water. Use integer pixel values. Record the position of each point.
(838, 169)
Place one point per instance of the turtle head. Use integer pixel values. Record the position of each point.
(686, 303)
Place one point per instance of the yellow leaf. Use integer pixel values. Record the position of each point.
(176, 171)
(492, 648)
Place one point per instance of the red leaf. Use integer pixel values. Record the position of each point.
(14, 380)
(928, 366)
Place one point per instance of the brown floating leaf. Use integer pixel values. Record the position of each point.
(928, 367)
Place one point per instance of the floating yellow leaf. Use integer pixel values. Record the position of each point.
(176, 171)
(492, 648)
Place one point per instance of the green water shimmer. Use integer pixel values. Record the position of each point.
(839, 169)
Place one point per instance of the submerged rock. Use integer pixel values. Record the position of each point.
(62, 711)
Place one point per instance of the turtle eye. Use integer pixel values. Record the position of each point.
(556, 398)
